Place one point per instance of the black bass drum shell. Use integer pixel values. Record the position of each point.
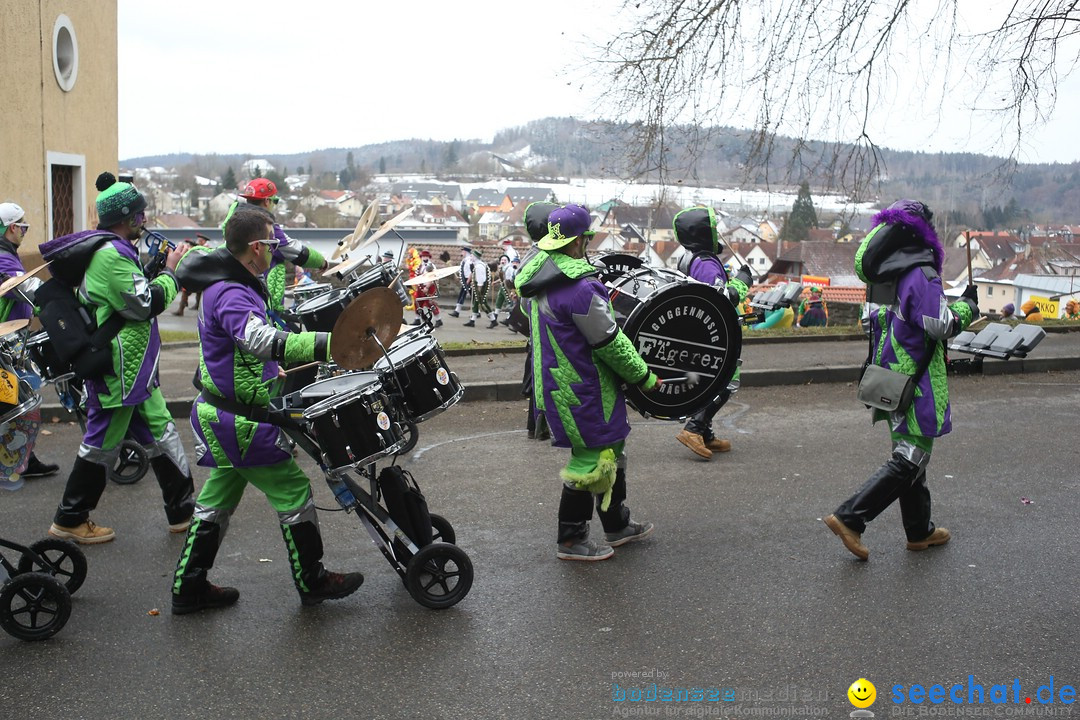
(681, 328)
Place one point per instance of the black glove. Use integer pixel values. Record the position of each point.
(732, 295)
(971, 293)
(745, 275)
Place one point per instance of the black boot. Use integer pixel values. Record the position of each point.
(915, 509)
(887, 484)
(81, 494)
(177, 489)
(617, 516)
(313, 581)
(575, 511)
(191, 590)
(37, 469)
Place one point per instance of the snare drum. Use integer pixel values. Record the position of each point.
(379, 276)
(352, 419)
(426, 383)
(301, 293)
(318, 314)
(682, 329)
(45, 358)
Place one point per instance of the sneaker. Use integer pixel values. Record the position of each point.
(454, 313)
(37, 469)
(940, 536)
(86, 534)
(333, 586)
(180, 527)
(717, 445)
(695, 442)
(633, 531)
(851, 539)
(585, 549)
(211, 596)
(470, 324)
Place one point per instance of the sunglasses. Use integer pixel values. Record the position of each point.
(275, 200)
(272, 242)
(22, 226)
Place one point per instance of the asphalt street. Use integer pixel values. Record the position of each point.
(741, 589)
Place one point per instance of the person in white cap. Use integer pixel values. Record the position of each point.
(14, 305)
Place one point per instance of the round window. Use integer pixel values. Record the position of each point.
(65, 53)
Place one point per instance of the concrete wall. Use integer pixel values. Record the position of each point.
(44, 123)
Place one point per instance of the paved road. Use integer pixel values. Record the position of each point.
(741, 586)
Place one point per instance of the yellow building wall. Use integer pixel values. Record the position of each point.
(42, 120)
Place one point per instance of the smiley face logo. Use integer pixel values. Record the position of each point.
(862, 693)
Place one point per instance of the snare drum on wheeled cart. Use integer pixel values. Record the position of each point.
(417, 369)
(353, 420)
(307, 291)
(683, 329)
(381, 275)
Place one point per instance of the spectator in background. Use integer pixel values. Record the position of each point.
(200, 241)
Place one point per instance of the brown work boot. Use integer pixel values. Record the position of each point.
(718, 445)
(851, 539)
(695, 442)
(86, 534)
(940, 536)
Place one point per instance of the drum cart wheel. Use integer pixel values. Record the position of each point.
(439, 575)
(34, 606)
(131, 464)
(412, 435)
(442, 530)
(60, 558)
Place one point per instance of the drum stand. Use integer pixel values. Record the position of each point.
(437, 575)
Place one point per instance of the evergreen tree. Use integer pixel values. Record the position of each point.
(802, 217)
(228, 180)
(382, 166)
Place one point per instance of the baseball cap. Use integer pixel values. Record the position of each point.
(259, 189)
(565, 225)
(10, 213)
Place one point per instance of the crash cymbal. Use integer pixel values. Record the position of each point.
(377, 311)
(430, 277)
(367, 219)
(6, 328)
(13, 282)
(390, 224)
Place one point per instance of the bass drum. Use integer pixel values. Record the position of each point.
(682, 329)
(616, 265)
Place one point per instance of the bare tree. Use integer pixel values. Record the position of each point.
(825, 73)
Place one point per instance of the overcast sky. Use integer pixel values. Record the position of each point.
(282, 76)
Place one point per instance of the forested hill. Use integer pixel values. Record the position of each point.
(974, 187)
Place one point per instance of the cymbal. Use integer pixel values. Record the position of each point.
(377, 311)
(6, 328)
(430, 277)
(13, 282)
(390, 224)
(367, 218)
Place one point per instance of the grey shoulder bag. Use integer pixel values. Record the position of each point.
(887, 389)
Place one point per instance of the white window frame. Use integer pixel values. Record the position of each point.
(78, 189)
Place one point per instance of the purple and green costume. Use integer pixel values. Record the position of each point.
(580, 357)
(240, 349)
(127, 400)
(909, 320)
(696, 230)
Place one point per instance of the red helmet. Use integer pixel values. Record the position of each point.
(259, 189)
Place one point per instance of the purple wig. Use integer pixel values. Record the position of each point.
(917, 217)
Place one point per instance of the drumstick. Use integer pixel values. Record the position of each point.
(301, 367)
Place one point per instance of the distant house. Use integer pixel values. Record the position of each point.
(746, 233)
(481, 200)
(345, 202)
(650, 223)
(989, 249)
(441, 216)
(833, 260)
(516, 195)
(427, 193)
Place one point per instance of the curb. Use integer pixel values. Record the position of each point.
(504, 391)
